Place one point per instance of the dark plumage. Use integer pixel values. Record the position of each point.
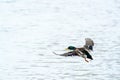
(74, 53)
(71, 53)
(88, 54)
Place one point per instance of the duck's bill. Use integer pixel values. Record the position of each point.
(66, 49)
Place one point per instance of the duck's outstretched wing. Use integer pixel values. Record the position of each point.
(71, 53)
(89, 43)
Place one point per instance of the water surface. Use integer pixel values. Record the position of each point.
(31, 29)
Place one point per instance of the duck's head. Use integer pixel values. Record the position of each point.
(70, 48)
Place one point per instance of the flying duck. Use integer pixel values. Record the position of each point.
(83, 51)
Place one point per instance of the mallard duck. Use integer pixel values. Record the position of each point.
(83, 51)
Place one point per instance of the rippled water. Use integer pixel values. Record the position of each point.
(31, 29)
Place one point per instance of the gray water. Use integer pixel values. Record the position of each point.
(30, 30)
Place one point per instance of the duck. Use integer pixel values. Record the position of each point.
(84, 51)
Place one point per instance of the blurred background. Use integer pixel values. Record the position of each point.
(30, 30)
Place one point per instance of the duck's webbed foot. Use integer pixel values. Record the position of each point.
(86, 60)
